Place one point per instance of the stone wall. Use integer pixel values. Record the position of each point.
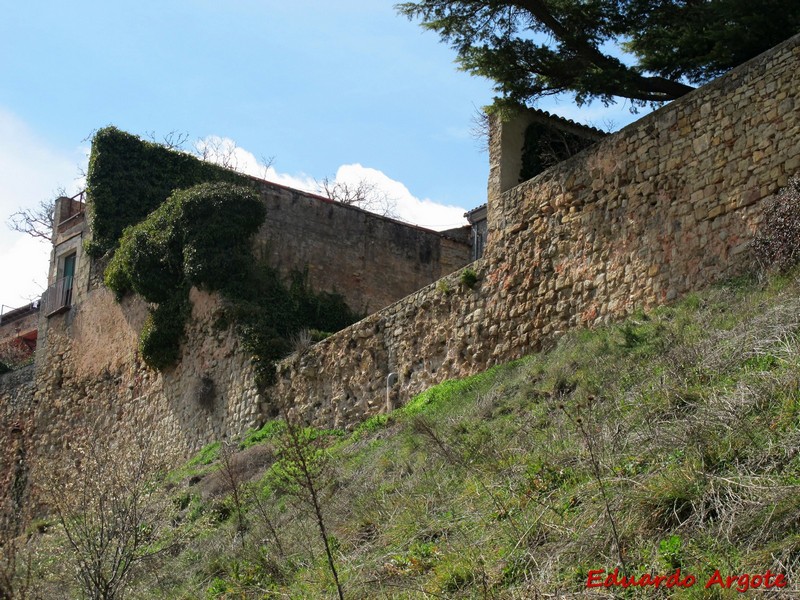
(90, 384)
(666, 205)
(89, 374)
(662, 207)
(16, 428)
(371, 260)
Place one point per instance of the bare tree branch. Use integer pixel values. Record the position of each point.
(172, 140)
(37, 221)
(112, 513)
(363, 194)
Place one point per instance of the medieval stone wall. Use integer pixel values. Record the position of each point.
(371, 260)
(665, 206)
(90, 382)
(17, 423)
(90, 372)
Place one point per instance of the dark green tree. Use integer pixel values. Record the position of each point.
(698, 40)
(537, 48)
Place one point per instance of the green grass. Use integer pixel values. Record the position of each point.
(679, 426)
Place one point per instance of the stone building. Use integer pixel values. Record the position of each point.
(19, 329)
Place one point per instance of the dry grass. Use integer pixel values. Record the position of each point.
(670, 441)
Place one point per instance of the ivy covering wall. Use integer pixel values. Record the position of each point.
(197, 235)
(129, 177)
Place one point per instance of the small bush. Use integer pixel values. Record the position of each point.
(443, 287)
(777, 243)
(469, 278)
(302, 341)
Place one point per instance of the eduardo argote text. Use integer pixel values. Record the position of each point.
(599, 578)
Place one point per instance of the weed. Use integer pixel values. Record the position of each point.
(684, 457)
(267, 432)
(206, 456)
(469, 278)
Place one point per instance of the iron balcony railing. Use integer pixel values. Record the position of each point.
(58, 296)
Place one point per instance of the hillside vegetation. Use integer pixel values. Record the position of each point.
(670, 441)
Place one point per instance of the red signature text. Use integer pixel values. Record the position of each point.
(599, 578)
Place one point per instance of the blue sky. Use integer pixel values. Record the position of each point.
(347, 89)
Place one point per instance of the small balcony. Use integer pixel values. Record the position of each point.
(58, 297)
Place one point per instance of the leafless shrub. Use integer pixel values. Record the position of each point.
(242, 467)
(591, 438)
(111, 511)
(235, 479)
(776, 245)
(16, 577)
(480, 129)
(221, 151)
(36, 222)
(363, 194)
(302, 341)
(172, 140)
(232, 476)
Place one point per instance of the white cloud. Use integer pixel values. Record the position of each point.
(423, 212)
(30, 171)
(405, 206)
(23, 270)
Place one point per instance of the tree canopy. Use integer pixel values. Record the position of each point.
(643, 50)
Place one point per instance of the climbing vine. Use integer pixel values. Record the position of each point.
(128, 178)
(198, 237)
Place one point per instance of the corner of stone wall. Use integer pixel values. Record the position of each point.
(506, 139)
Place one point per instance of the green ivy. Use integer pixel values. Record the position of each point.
(128, 178)
(201, 237)
(267, 313)
(198, 237)
(161, 335)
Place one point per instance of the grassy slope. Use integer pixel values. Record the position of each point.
(678, 430)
